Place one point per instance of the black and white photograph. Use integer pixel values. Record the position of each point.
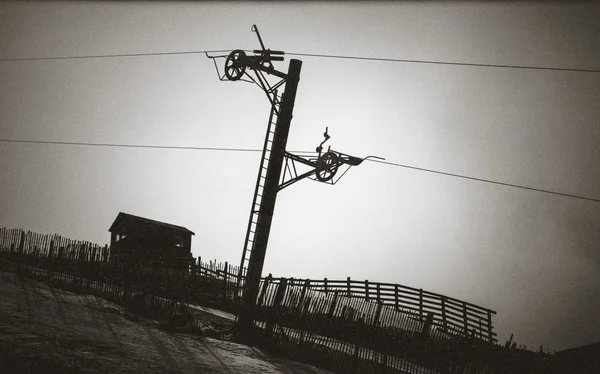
(300, 187)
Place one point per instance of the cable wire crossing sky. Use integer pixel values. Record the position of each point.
(259, 150)
(486, 114)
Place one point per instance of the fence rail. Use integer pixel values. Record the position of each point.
(448, 312)
(343, 325)
(352, 334)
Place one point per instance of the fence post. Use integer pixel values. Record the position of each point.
(333, 304)
(193, 267)
(266, 282)
(348, 285)
(396, 301)
(275, 308)
(81, 255)
(444, 312)
(378, 293)
(421, 304)
(377, 313)
(302, 296)
(465, 320)
(427, 325)
(225, 281)
(22, 242)
(489, 326)
(367, 289)
(325, 285)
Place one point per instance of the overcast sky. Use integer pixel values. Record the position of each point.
(532, 257)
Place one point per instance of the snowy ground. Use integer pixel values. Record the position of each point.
(48, 330)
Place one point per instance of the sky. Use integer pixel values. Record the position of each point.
(532, 257)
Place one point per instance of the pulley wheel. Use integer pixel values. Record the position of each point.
(234, 67)
(328, 165)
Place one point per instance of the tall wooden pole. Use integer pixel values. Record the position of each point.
(259, 247)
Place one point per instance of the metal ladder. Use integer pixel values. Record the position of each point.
(258, 191)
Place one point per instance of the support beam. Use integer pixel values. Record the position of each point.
(259, 247)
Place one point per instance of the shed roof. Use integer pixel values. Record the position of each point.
(125, 218)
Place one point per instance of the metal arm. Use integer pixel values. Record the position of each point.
(324, 167)
(255, 29)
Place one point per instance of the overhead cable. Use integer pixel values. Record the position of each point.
(445, 63)
(486, 180)
(139, 146)
(346, 57)
(76, 57)
(308, 152)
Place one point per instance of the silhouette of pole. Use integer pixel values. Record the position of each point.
(259, 246)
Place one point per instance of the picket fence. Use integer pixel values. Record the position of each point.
(344, 325)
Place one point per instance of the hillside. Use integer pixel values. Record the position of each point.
(43, 329)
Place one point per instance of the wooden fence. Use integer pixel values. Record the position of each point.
(347, 334)
(16, 240)
(344, 325)
(85, 267)
(450, 313)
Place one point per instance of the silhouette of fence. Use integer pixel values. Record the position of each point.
(347, 334)
(450, 313)
(344, 325)
(338, 332)
(85, 267)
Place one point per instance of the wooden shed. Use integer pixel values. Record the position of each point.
(135, 238)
